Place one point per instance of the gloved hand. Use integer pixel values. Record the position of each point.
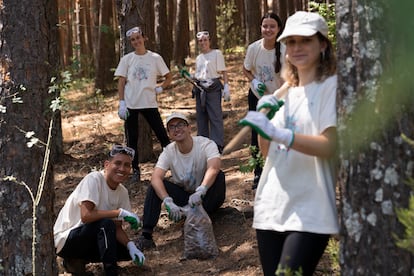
(184, 73)
(158, 89)
(197, 197)
(174, 212)
(259, 122)
(130, 217)
(123, 110)
(258, 87)
(270, 102)
(136, 255)
(226, 92)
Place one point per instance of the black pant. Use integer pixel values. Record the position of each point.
(290, 250)
(252, 102)
(95, 242)
(213, 199)
(153, 117)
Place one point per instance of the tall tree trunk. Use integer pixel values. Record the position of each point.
(252, 17)
(130, 14)
(163, 31)
(207, 9)
(376, 106)
(105, 47)
(181, 43)
(28, 58)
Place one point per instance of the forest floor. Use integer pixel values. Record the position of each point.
(91, 125)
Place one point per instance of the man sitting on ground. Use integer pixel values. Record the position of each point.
(196, 177)
(89, 226)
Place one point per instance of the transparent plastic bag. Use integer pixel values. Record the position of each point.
(199, 240)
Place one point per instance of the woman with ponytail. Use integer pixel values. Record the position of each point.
(262, 66)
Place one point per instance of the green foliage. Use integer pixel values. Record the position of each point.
(228, 33)
(332, 250)
(328, 12)
(254, 160)
(406, 215)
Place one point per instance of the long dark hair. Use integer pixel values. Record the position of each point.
(278, 64)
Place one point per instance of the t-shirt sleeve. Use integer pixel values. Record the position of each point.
(248, 60)
(89, 189)
(221, 66)
(328, 106)
(163, 160)
(161, 66)
(122, 69)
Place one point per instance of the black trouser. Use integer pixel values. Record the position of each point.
(213, 199)
(252, 101)
(95, 242)
(293, 251)
(153, 117)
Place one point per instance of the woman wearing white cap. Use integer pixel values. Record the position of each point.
(137, 89)
(295, 211)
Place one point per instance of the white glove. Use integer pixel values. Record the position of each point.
(271, 103)
(258, 88)
(174, 212)
(226, 92)
(123, 110)
(197, 197)
(130, 217)
(158, 89)
(261, 124)
(136, 255)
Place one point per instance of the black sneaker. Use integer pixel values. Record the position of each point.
(136, 176)
(255, 182)
(144, 243)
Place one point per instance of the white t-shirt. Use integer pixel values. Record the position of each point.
(209, 64)
(261, 63)
(141, 72)
(296, 192)
(188, 170)
(94, 188)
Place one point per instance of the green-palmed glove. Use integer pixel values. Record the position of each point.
(259, 88)
(271, 103)
(261, 124)
(136, 255)
(130, 217)
(174, 212)
(184, 73)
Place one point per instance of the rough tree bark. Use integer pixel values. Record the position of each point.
(28, 58)
(207, 17)
(375, 162)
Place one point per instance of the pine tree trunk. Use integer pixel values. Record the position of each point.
(28, 58)
(375, 164)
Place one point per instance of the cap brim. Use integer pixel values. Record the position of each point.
(296, 31)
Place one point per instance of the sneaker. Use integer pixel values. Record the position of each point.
(144, 243)
(255, 182)
(136, 176)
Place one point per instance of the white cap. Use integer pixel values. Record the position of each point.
(176, 115)
(304, 23)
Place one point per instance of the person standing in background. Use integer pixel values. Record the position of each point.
(137, 74)
(295, 205)
(209, 65)
(262, 66)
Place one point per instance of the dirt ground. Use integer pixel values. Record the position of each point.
(91, 125)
